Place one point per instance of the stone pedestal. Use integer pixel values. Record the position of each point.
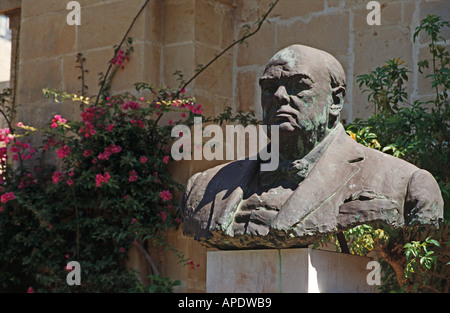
(286, 270)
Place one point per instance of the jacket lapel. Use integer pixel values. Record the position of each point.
(312, 198)
(229, 196)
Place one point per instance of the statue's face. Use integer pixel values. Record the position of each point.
(296, 93)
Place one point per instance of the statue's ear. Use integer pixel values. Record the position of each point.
(338, 95)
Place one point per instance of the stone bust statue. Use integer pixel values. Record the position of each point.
(325, 182)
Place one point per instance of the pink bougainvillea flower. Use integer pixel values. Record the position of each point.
(88, 153)
(63, 152)
(102, 179)
(57, 177)
(133, 220)
(7, 197)
(1, 209)
(138, 122)
(69, 182)
(88, 130)
(26, 181)
(166, 159)
(110, 127)
(133, 176)
(50, 226)
(57, 119)
(191, 263)
(115, 149)
(50, 142)
(60, 119)
(143, 159)
(110, 150)
(30, 290)
(5, 135)
(122, 250)
(177, 220)
(91, 114)
(163, 216)
(165, 195)
(119, 58)
(131, 105)
(103, 156)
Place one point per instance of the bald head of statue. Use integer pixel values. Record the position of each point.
(302, 91)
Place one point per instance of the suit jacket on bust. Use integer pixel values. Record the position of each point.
(350, 184)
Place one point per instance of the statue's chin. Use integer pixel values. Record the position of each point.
(287, 128)
(291, 132)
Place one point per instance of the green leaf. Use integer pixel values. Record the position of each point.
(435, 242)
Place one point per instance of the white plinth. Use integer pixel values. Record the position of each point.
(285, 270)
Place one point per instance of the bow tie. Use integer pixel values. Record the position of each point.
(294, 172)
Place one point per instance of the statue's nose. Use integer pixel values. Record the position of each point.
(281, 96)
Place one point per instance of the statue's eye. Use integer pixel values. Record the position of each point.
(268, 88)
(297, 87)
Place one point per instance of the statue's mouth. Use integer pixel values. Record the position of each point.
(283, 116)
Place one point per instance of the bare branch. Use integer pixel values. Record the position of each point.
(239, 41)
(149, 258)
(118, 48)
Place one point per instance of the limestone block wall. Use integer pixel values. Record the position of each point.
(174, 35)
(48, 48)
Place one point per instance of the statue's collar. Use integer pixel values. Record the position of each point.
(303, 166)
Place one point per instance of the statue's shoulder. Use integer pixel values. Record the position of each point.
(224, 176)
(224, 171)
(381, 160)
(423, 203)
